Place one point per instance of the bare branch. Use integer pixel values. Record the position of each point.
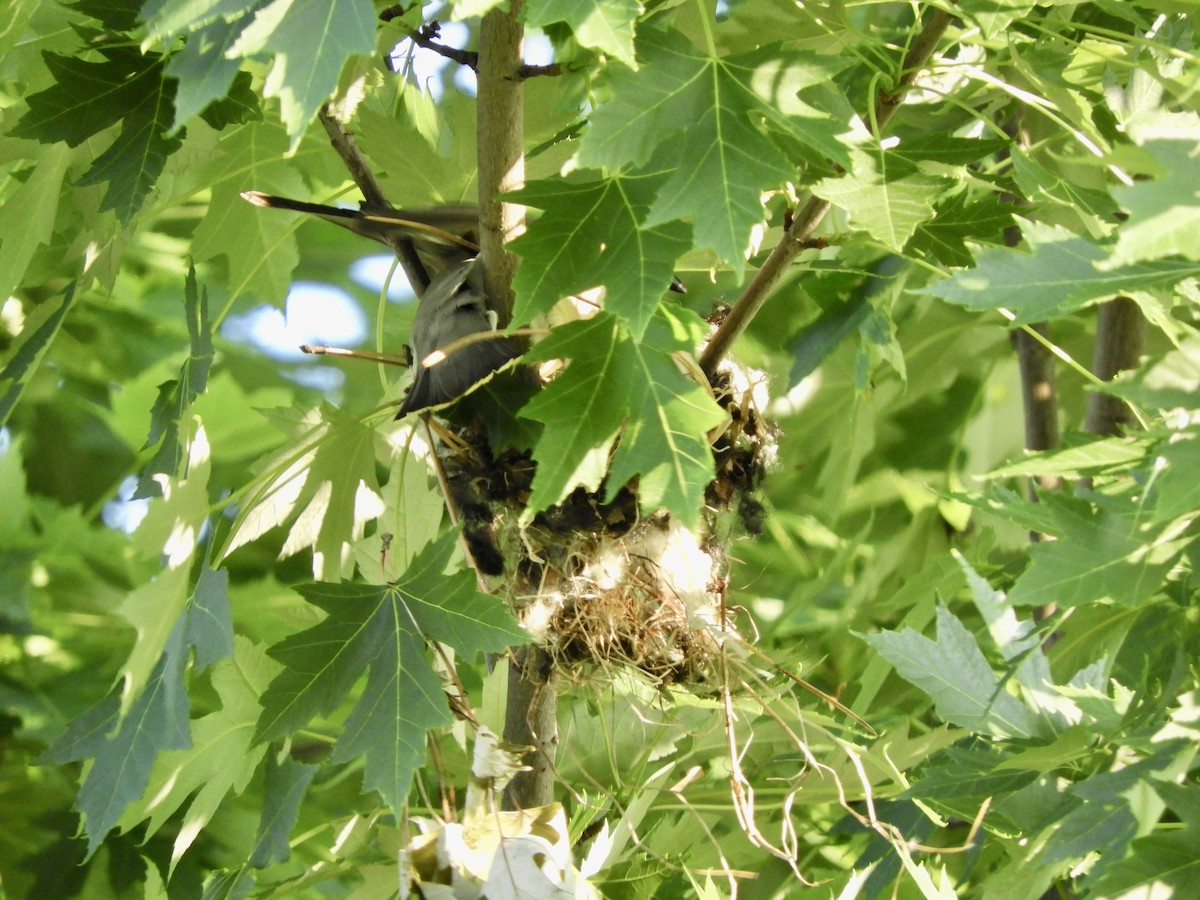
(424, 37)
(538, 71)
(1120, 337)
(356, 164)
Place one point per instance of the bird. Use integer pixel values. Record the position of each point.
(454, 305)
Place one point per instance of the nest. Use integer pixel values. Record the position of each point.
(597, 585)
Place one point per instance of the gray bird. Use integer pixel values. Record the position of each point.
(453, 305)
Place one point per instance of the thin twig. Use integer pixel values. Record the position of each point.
(356, 164)
(424, 37)
(796, 237)
(528, 71)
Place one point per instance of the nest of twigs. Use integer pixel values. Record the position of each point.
(597, 584)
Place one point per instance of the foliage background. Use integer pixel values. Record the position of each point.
(146, 670)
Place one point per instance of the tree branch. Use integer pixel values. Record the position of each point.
(1120, 337)
(501, 152)
(532, 712)
(424, 37)
(796, 237)
(356, 164)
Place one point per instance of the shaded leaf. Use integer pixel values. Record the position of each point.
(328, 478)
(883, 195)
(261, 249)
(89, 97)
(384, 629)
(698, 116)
(125, 747)
(615, 387)
(1100, 554)
(1164, 214)
(222, 757)
(204, 72)
(286, 783)
(35, 338)
(27, 218)
(956, 221)
(590, 234)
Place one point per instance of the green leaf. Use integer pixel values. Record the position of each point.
(1164, 214)
(698, 116)
(175, 397)
(132, 164)
(884, 196)
(957, 221)
(592, 234)
(167, 18)
(31, 345)
(1091, 828)
(1166, 382)
(1160, 865)
(204, 72)
(402, 700)
(222, 757)
(328, 477)
(1100, 554)
(963, 778)
(813, 344)
(618, 387)
(286, 783)
(261, 249)
(27, 218)
(953, 671)
(310, 40)
(1178, 487)
(384, 628)
(170, 533)
(1060, 276)
(1094, 457)
(125, 748)
(89, 97)
(1043, 186)
(604, 25)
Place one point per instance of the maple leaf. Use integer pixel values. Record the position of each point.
(615, 387)
(310, 41)
(884, 195)
(591, 234)
(384, 629)
(954, 672)
(330, 481)
(175, 397)
(261, 249)
(88, 97)
(698, 117)
(604, 25)
(125, 747)
(1062, 274)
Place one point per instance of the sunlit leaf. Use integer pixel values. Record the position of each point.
(953, 671)
(310, 40)
(1060, 276)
